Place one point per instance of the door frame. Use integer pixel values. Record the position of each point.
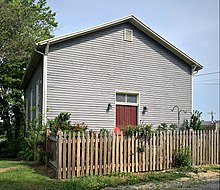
(128, 104)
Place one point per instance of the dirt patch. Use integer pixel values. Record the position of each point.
(7, 169)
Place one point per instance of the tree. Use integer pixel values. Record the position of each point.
(22, 23)
(195, 121)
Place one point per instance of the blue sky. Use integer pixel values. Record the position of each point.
(190, 25)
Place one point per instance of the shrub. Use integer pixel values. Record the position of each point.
(182, 158)
(33, 145)
(195, 122)
(142, 130)
(104, 131)
(62, 122)
(165, 127)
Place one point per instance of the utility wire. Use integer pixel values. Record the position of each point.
(206, 80)
(207, 74)
(206, 84)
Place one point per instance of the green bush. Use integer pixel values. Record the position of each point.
(62, 122)
(195, 122)
(165, 127)
(141, 130)
(182, 158)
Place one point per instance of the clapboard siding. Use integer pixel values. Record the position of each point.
(37, 76)
(85, 72)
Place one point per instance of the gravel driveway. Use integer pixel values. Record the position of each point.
(187, 184)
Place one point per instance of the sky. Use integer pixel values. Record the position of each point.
(190, 25)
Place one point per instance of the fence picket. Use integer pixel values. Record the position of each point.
(73, 155)
(97, 154)
(69, 156)
(87, 153)
(64, 156)
(113, 152)
(59, 157)
(78, 155)
(100, 154)
(136, 152)
(121, 152)
(117, 154)
(109, 154)
(132, 153)
(129, 154)
(125, 154)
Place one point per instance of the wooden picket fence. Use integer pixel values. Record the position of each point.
(93, 154)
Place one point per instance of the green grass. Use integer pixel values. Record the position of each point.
(214, 168)
(26, 176)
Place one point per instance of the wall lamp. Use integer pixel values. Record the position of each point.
(109, 107)
(144, 109)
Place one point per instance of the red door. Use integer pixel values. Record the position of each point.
(125, 115)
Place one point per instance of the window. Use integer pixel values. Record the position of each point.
(26, 112)
(37, 100)
(31, 106)
(128, 35)
(126, 98)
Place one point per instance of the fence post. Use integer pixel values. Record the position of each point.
(47, 147)
(59, 156)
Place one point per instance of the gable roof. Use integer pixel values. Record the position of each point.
(131, 19)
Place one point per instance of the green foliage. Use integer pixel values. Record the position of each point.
(165, 127)
(182, 158)
(142, 130)
(22, 23)
(62, 122)
(34, 143)
(141, 149)
(130, 130)
(104, 131)
(195, 122)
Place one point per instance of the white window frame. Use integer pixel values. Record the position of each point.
(26, 112)
(129, 103)
(37, 102)
(31, 106)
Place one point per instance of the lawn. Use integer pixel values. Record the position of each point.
(25, 175)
